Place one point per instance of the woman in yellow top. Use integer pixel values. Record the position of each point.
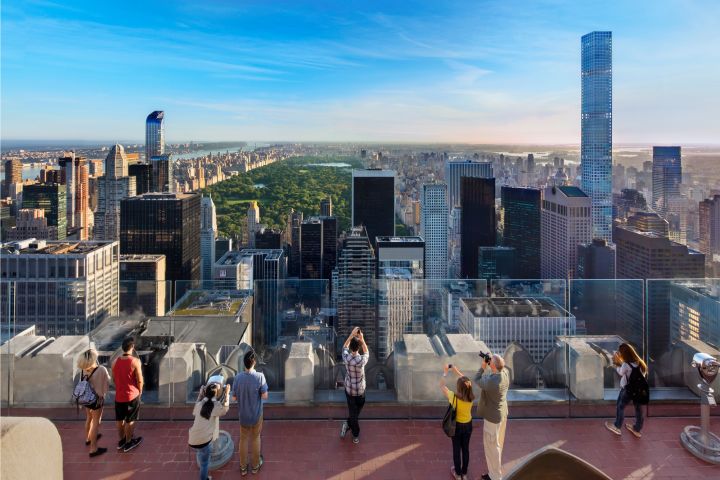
(462, 400)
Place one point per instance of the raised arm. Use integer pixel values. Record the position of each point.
(350, 337)
(363, 345)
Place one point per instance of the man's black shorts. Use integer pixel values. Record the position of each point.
(127, 411)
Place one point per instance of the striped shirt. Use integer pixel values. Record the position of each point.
(355, 376)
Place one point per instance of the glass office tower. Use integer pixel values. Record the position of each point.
(666, 178)
(154, 134)
(596, 129)
(522, 227)
(373, 202)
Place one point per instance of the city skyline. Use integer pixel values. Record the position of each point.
(474, 73)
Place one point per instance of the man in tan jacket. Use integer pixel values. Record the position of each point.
(492, 407)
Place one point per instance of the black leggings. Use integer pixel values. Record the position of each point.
(461, 442)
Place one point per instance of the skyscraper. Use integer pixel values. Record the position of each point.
(596, 260)
(456, 169)
(646, 255)
(253, 222)
(311, 241)
(222, 246)
(112, 188)
(498, 262)
(318, 247)
(167, 224)
(330, 244)
(208, 232)
(51, 198)
(355, 291)
(521, 213)
(267, 238)
(326, 208)
(596, 129)
(649, 222)
(154, 134)
(666, 179)
(400, 290)
(163, 176)
(478, 223)
(75, 172)
(143, 177)
(566, 222)
(78, 291)
(295, 222)
(434, 229)
(373, 202)
(13, 174)
(31, 223)
(709, 213)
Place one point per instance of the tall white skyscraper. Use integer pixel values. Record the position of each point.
(208, 232)
(565, 223)
(596, 128)
(154, 134)
(253, 222)
(434, 229)
(112, 187)
(400, 290)
(456, 169)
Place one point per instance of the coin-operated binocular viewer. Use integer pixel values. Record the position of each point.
(699, 440)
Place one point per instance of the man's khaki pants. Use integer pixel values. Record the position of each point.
(493, 441)
(250, 435)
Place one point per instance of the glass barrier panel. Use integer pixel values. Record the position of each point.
(607, 313)
(683, 318)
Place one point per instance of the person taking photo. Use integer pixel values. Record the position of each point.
(213, 402)
(461, 400)
(492, 407)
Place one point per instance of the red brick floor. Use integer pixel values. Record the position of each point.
(393, 449)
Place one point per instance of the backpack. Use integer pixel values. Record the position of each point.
(83, 394)
(637, 386)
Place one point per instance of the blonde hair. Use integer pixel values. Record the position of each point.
(88, 359)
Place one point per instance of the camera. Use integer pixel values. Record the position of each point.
(485, 356)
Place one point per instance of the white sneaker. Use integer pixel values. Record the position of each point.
(344, 429)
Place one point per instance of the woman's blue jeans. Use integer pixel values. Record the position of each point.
(204, 459)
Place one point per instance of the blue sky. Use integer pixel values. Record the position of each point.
(502, 71)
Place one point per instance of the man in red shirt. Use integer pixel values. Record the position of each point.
(127, 373)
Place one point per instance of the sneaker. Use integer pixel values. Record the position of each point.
(632, 430)
(98, 452)
(121, 444)
(454, 475)
(132, 444)
(613, 428)
(356, 440)
(99, 436)
(257, 469)
(243, 471)
(344, 429)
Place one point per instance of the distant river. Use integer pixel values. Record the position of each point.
(27, 174)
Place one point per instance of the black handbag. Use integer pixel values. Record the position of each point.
(449, 419)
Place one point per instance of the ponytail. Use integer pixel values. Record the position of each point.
(208, 405)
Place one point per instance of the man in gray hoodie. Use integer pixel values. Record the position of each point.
(492, 407)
